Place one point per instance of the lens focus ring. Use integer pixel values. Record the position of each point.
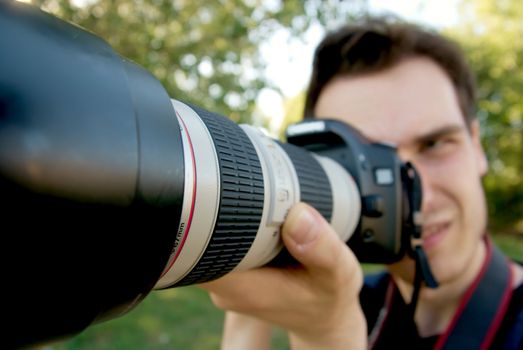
(315, 188)
(241, 200)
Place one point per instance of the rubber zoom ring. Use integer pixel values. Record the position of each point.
(315, 188)
(241, 200)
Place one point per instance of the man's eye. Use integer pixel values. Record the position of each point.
(429, 144)
(436, 145)
(432, 144)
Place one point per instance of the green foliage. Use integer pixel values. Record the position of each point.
(203, 52)
(293, 109)
(511, 245)
(491, 36)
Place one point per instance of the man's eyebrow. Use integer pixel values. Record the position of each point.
(442, 131)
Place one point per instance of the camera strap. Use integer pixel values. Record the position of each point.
(482, 307)
(412, 228)
(476, 321)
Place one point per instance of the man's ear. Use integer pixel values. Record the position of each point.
(481, 158)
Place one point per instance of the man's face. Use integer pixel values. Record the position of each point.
(414, 106)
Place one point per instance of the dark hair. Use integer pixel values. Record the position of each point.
(380, 43)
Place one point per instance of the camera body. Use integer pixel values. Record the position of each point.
(382, 235)
(101, 184)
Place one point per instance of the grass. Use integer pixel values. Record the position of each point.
(180, 318)
(185, 318)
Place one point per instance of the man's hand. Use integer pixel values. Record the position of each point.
(316, 302)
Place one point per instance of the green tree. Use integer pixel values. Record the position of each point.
(491, 33)
(293, 109)
(204, 52)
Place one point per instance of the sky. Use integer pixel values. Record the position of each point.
(289, 62)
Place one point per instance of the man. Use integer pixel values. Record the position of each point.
(399, 84)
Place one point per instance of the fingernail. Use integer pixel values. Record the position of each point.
(302, 226)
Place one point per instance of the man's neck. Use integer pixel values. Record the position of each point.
(436, 307)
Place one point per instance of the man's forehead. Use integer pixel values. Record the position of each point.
(386, 129)
(404, 103)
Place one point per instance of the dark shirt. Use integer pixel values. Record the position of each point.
(399, 330)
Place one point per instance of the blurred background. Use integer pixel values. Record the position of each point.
(250, 60)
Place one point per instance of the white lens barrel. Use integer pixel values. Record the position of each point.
(239, 186)
(346, 207)
(283, 191)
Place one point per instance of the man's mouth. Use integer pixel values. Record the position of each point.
(433, 234)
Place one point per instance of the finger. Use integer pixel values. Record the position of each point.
(315, 244)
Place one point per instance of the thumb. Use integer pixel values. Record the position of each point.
(313, 242)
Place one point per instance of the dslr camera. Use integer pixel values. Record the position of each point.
(110, 188)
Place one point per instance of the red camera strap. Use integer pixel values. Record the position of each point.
(481, 309)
